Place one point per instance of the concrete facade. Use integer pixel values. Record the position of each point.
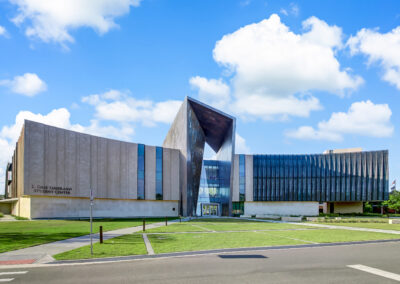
(53, 171)
(249, 177)
(235, 184)
(53, 163)
(281, 208)
(60, 207)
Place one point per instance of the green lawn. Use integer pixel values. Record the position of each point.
(132, 244)
(382, 226)
(206, 234)
(22, 234)
(164, 243)
(204, 225)
(332, 235)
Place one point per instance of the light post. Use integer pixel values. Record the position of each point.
(91, 221)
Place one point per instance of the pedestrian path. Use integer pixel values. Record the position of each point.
(43, 253)
(7, 218)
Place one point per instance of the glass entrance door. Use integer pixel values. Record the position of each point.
(209, 209)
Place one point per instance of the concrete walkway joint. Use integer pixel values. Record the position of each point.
(149, 248)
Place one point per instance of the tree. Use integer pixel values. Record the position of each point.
(367, 207)
(394, 201)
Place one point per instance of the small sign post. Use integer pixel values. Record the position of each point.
(91, 221)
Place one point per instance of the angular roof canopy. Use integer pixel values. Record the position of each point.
(214, 123)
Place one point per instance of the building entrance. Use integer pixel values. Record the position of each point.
(209, 209)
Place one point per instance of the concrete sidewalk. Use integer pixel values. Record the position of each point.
(7, 218)
(43, 253)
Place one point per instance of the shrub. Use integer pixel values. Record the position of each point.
(20, 218)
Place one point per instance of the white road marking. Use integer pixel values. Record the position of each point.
(12, 272)
(376, 271)
(6, 279)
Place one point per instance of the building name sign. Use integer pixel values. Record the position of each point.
(47, 189)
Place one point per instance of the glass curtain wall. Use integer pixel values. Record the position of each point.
(361, 176)
(159, 171)
(140, 172)
(213, 188)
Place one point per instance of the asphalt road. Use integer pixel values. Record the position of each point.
(301, 265)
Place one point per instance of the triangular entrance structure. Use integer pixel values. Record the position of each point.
(196, 124)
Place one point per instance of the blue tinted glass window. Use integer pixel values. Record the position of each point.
(140, 172)
(242, 177)
(159, 168)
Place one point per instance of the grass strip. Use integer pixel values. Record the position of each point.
(22, 234)
(231, 225)
(131, 244)
(204, 241)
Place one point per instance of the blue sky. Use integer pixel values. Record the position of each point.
(300, 76)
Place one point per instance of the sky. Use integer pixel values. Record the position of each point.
(299, 76)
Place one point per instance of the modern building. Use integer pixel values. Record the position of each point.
(53, 171)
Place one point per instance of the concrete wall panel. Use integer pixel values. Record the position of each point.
(113, 168)
(71, 162)
(102, 168)
(150, 172)
(235, 184)
(93, 165)
(166, 174)
(60, 157)
(175, 174)
(36, 160)
(249, 177)
(83, 165)
(68, 163)
(50, 164)
(306, 208)
(43, 207)
(124, 171)
(132, 170)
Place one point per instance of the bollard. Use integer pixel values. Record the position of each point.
(166, 221)
(180, 219)
(144, 224)
(101, 234)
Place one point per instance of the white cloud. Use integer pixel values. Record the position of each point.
(271, 107)
(274, 70)
(52, 20)
(363, 118)
(240, 145)
(292, 10)
(120, 107)
(213, 92)
(28, 84)
(59, 118)
(3, 31)
(381, 48)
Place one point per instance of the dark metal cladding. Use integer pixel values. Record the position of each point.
(194, 125)
(358, 176)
